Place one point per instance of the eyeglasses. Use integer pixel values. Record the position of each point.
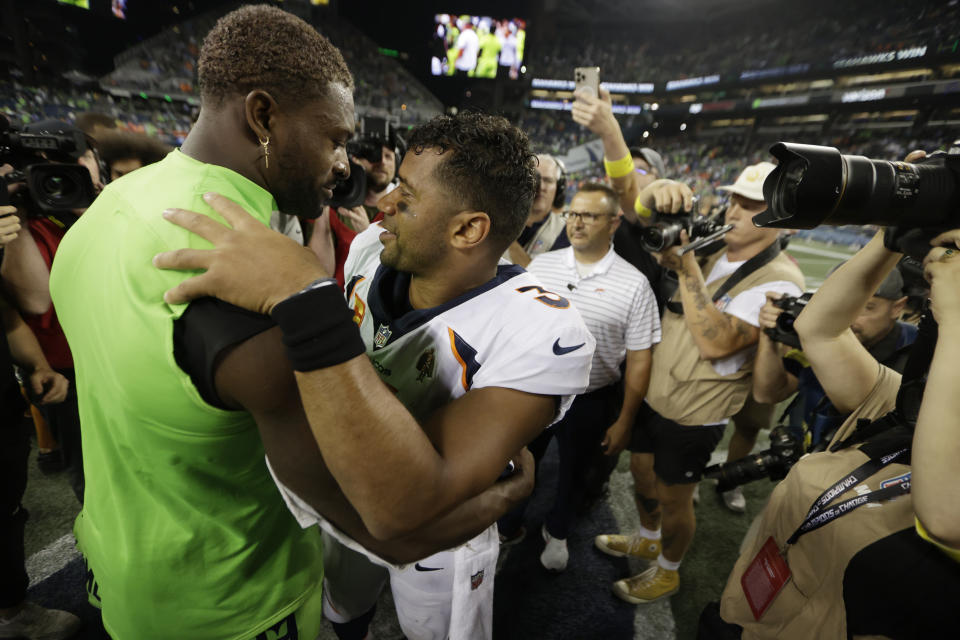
(586, 218)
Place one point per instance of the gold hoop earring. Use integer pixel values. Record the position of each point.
(266, 152)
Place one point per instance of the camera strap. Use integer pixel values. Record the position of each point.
(820, 514)
(763, 258)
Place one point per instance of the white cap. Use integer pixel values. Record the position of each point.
(750, 183)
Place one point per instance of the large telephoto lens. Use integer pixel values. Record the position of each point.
(818, 185)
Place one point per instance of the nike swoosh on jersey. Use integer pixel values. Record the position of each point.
(558, 350)
(420, 567)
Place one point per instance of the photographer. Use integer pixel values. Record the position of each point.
(781, 371)
(816, 556)
(19, 346)
(700, 377)
(18, 617)
(26, 276)
(126, 151)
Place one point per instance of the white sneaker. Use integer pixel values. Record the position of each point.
(555, 554)
(33, 622)
(734, 500)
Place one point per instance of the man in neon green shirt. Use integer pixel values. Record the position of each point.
(489, 53)
(183, 531)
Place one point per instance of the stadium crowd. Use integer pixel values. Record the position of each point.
(840, 30)
(392, 390)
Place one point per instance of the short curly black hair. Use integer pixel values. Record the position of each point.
(262, 47)
(491, 168)
(117, 145)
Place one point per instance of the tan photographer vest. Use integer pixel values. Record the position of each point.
(811, 603)
(686, 389)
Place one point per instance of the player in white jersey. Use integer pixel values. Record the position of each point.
(504, 333)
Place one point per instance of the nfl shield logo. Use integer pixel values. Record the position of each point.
(383, 334)
(476, 580)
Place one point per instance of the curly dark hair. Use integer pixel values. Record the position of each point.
(262, 47)
(123, 145)
(491, 168)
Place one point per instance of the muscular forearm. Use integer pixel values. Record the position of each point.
(636, 379)
(464, 522)
(313, 483)
(771, 381)
(615, 148)
(626, 188)
(936, 444)
(454, 528)
(844, 367)
(387, 467)
(24, 348)
(716, 334)
(842, 297)
(25, 274)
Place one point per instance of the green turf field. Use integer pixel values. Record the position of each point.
(816, 259)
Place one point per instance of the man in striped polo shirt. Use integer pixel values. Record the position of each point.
(618, 306)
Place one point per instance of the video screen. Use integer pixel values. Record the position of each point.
(477, 46)
(119, 9)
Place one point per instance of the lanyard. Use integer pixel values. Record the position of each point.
(761, 259)
(820, 514)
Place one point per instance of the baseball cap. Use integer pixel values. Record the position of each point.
(749, 183)
(652, 157)
(890, 289)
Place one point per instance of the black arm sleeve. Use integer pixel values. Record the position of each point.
(205, 331)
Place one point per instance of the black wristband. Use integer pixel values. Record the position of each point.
(318, 328)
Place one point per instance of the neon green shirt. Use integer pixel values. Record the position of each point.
(182, 527)
(489, 54)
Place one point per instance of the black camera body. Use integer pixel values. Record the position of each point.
(784, 332)
(664, 231)
(815, 185)
(773, 463)
(52, 187)
(374, 135)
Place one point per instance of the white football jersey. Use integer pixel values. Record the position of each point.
(509, 332)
